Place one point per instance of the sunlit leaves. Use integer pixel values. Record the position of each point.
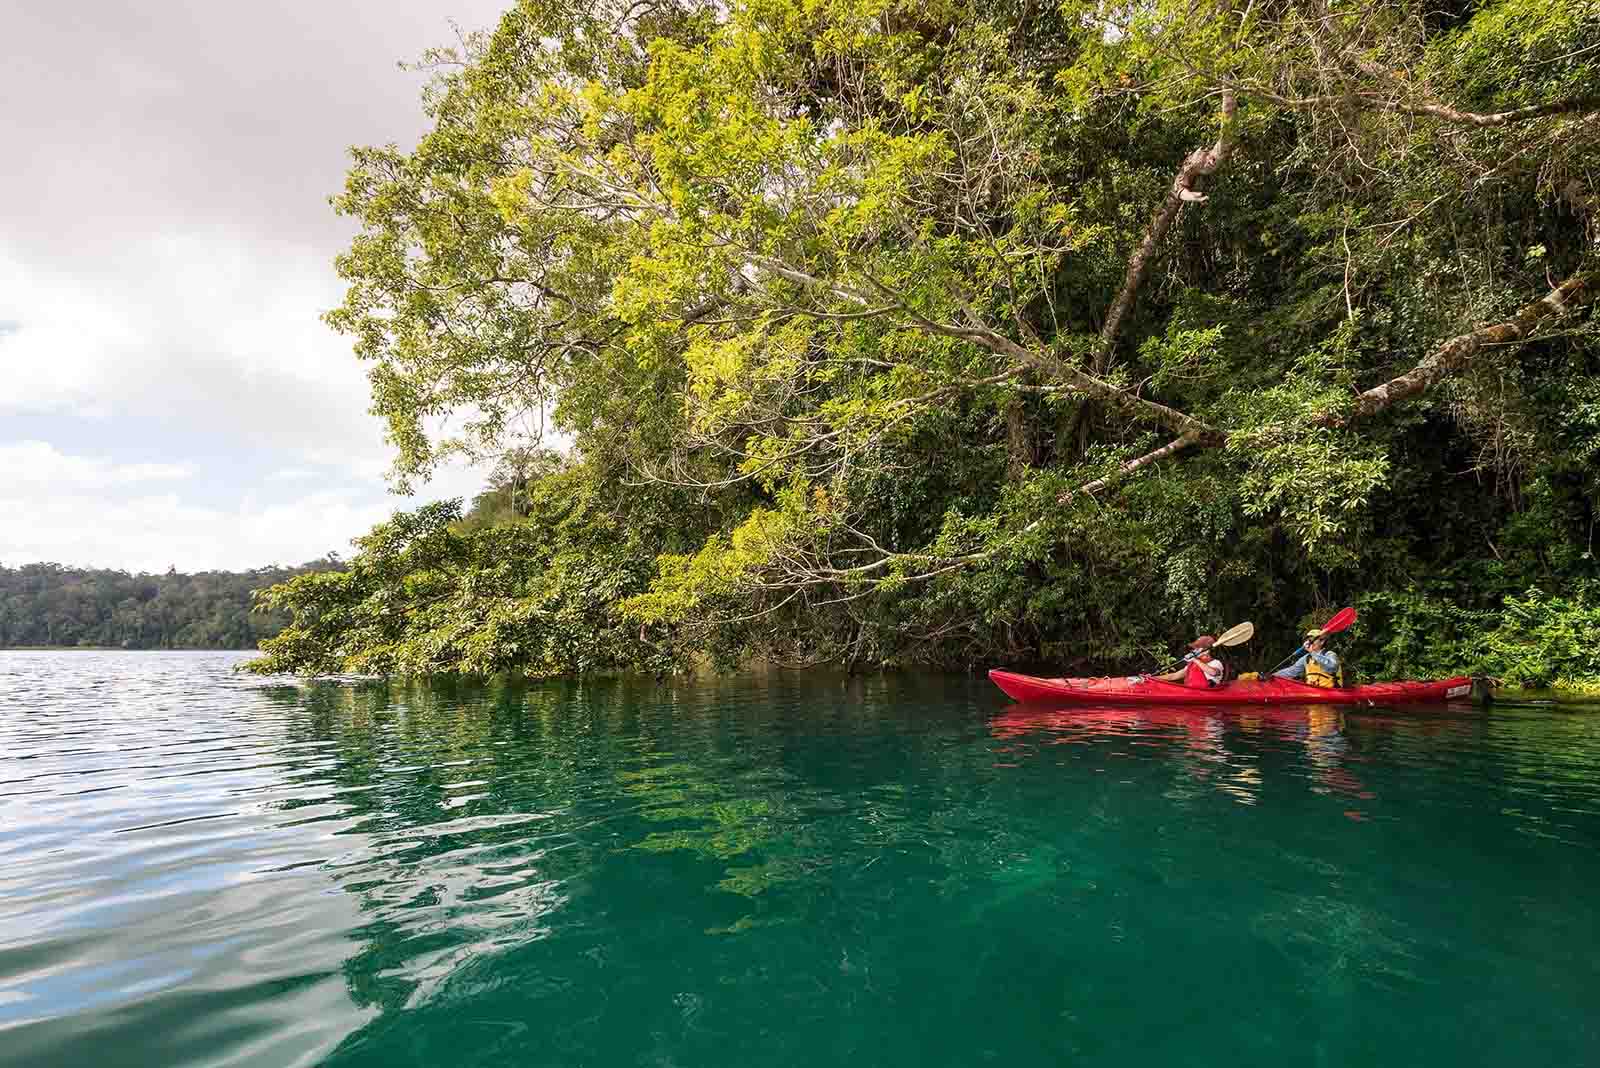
(825, 275)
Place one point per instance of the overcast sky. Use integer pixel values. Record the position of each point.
(168, 394)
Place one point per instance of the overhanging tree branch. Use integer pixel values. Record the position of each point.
(1455, 354)
(890, 304)
(1425, 104)
(1434, 109)
(1201, 161)
(1443, 362)
(1128, 467)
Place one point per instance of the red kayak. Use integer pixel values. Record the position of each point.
(1117, 690)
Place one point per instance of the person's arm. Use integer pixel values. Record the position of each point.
(1172, 676)
(1296, 670)
(1328, 660)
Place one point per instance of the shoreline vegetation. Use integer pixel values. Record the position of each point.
(918, 335)
(1582, 693)
(50, 606)
(928, 335)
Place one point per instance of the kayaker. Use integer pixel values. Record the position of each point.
(1318, 665)
(1203, 668)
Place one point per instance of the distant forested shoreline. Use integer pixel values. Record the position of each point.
(48, 605)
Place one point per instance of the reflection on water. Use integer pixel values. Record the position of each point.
(1199, 740)
(202, 868)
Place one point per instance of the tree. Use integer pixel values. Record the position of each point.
(51, 605)
(943, 304)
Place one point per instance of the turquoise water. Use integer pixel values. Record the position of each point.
(198, 868)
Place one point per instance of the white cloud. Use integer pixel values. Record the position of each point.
(202, 320)
(163, 288)
(151, 533)
(94, 512)
(32, 465)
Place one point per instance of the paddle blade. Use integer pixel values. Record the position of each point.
(1342, 619)
(1237, 635)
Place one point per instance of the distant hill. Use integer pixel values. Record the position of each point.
(48, 605)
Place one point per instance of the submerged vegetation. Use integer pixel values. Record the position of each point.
(917, 332)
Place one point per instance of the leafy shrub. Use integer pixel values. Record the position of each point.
(1531, 639)
(1544, 639)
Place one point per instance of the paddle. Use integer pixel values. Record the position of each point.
(1237, 635)
(1342, 619)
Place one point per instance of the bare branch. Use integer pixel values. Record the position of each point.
(1444, 361)
(1128, 402)
(1425, 104)
(1171, 448)
(1502, 118)
(1199, 162)
(1456, 353)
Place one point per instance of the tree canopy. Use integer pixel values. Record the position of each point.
(919, 331)
(48, 605)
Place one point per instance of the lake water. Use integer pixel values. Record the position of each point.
(202, 868)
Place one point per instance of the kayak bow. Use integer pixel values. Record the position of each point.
(1117, 690)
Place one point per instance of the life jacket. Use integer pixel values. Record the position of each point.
(1196, 677)
(1317, 675)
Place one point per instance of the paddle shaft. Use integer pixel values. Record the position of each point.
(1235, 635)
(1288, 660)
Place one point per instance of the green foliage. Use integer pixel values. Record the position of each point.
(818, 292)
(1527, 639)
(1544, 640)
(1316, 480)
(436, 591)
(1408, 634)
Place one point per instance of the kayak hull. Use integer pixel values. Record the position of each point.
(1119, 691)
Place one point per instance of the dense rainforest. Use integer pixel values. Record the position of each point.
(919, 332)
(51, 605)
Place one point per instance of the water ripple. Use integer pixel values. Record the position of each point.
(198, 867)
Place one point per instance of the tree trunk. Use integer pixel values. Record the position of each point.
(1020, 452)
